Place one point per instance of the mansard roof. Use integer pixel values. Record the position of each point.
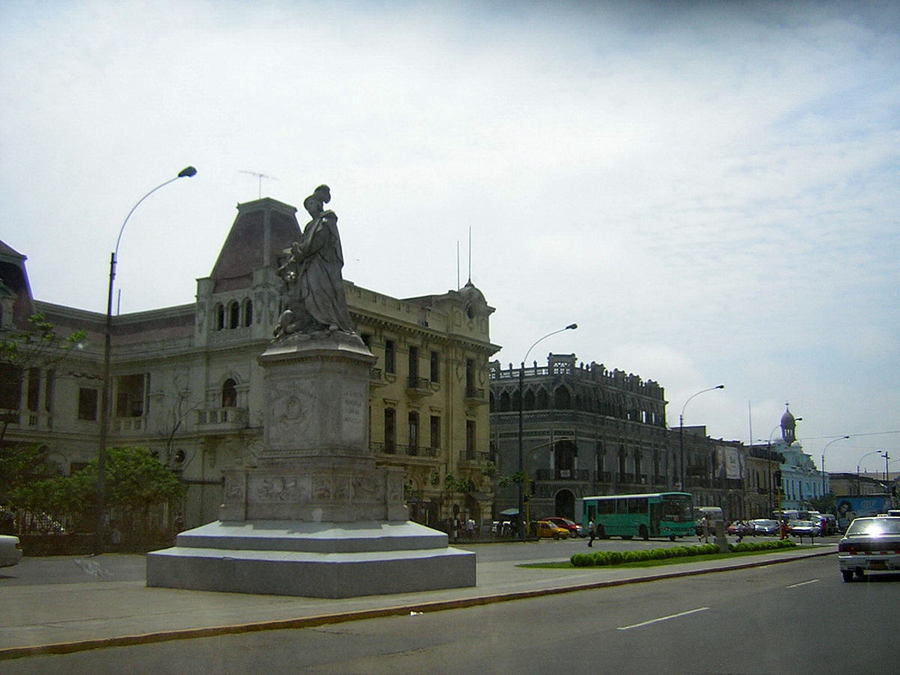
(261, 231)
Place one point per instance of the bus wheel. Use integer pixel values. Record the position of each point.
(671, 537)
(627, 536)
(642, 532)
(601, 533)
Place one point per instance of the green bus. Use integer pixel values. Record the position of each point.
(656, 514)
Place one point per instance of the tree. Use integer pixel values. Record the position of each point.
(135, 481)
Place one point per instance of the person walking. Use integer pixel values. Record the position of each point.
(591, 532)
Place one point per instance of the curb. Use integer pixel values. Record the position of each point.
(357, 615)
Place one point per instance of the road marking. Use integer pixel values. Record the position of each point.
(803, 583)
(663, 618)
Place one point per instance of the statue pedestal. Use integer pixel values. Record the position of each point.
(316, 517)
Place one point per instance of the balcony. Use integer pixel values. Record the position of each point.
(376, 377)
(398, 450)
(222, 419)
(582, 475)
(418, 386)
(473, 458)
(475, 395)
(128, 424)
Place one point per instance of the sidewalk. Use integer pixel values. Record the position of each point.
(62, 618)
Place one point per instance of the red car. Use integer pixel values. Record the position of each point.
(575, 530)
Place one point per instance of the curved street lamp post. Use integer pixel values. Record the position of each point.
(521, 501)
(841, 438)
(681, 432)
(187, 172)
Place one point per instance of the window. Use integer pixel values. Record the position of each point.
(248, 313)
(130, 395)
(435, 367)
(413, 432)
(220, 317)
(229, 394)
(10, 386)
(470, 439)
(390, 430)
(390, 354)
(34, 389)
(234, 314)
(87, 404)
(48, 390)
(435, 431)
(413, 364)
(470, 376)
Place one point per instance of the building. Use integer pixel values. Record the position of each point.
(801, 481)
(586, 431)
(187, 385)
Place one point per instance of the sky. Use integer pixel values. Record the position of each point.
(708, 189)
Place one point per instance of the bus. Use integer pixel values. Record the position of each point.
(656, 514)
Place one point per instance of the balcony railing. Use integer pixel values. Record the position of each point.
(128, 424)
(404, 450)
(582, 475)
(222, 418)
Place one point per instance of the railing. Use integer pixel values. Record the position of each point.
(418, 385)
(404, 450)
(229, 418)
(125, 424)
(583, 475)
(475, 393)
(473, 457)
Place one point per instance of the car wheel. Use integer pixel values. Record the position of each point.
(859, 573)
(628, 536)
(847, 575)
(556, 536)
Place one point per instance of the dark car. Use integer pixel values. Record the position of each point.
(740, 528)
(575, 530)
(871, 544)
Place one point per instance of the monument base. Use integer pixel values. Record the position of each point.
(322, 560)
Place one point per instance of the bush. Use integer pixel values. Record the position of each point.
(608, 558)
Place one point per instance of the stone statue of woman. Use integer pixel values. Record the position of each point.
(316, 299)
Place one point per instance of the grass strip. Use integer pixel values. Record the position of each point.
(567, 565)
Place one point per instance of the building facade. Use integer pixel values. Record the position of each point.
(186, 382)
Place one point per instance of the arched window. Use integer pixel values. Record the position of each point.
(562, 399)
(248, 312)
(504, 402)
(234, 314)
(543, 400)
(528, 403)
(229, 394)
(220, 316)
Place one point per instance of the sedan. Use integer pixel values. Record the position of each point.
(764, 526)
(870, 544)
(803, 528)
(10, 550)
(574, 528)
(547, 529)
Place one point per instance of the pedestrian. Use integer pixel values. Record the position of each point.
(591, 532)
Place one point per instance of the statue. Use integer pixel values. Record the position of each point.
(312, 275)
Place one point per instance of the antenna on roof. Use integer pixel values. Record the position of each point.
(259, 176)
(470, 254)
(457, 264)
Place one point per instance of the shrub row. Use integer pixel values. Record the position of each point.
(601, 558)
(761, 546)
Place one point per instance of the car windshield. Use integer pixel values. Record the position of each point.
(875, 526)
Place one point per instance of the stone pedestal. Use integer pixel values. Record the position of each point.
(316, 517)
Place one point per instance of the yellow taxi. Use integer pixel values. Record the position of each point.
(547, 529)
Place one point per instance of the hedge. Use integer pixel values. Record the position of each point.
(606, 558)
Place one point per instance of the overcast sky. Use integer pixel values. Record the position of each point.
(710, 190)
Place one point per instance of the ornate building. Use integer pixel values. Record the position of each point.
(186, 382)
(586, 431)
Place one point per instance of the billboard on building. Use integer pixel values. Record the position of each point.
(729, 462)
(859, 506)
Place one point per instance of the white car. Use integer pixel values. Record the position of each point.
(10, 550)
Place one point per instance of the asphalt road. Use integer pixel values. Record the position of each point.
(796, 617)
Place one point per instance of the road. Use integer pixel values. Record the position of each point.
(794, 617)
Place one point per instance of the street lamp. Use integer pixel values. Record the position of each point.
(187, 172)
(858, 462)
(823, 459)
(571, 326)
(681, 430)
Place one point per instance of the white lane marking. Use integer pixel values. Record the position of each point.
(803, 583)
(663, 618)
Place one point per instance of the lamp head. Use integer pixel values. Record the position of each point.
(571, 326)
(187, 172)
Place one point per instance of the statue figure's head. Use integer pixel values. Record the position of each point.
(323, 192)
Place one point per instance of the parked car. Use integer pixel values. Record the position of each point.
(764, 526)
(10, 550)
(575, 529)
(547, 529)
(871, 544)
(803, 528)
(740, 528)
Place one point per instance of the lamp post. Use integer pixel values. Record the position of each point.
(823, 459)
(187, 172)
(858, 462)
(571, 326)
(681, 431)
